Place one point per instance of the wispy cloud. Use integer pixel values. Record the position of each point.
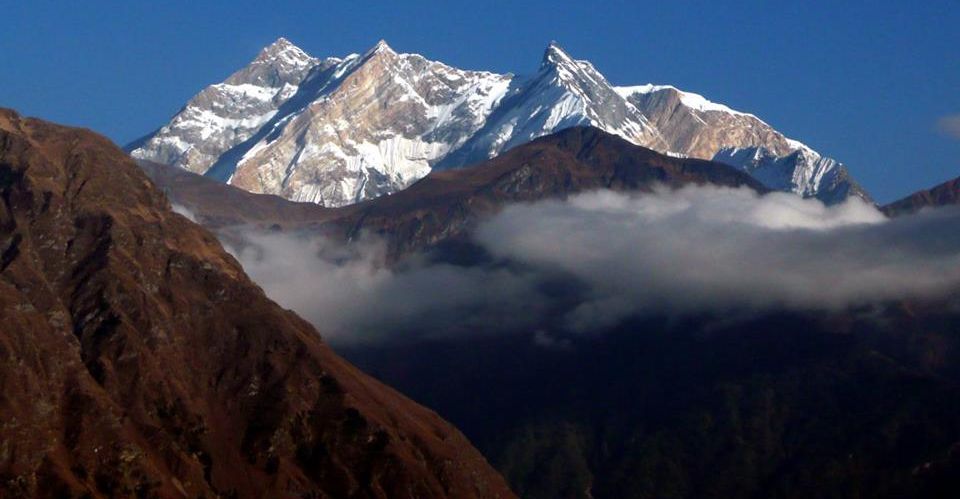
(950, 125)
(183, 210)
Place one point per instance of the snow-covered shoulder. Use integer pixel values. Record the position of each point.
(689, 99)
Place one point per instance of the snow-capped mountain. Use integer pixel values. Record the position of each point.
(223, 115)
(352, 129)
(338, 131)
(563, 93)
(381, 127)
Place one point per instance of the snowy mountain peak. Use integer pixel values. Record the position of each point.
(564, 92)
(279, 45)
(282, 51)
(380, 47)
(577, 76)
(226, 114)
(554, 55)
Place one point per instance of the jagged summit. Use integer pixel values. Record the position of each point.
(554, 55)
(284, 52)
(579, 76)
(564, 92)
(279, 45)
(381, 51)
(380, 46)
(372, 124)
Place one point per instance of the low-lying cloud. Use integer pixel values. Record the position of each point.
(693, 250)
(350, 294)
(711, 249)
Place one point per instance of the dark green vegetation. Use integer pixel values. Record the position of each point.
(778, 406)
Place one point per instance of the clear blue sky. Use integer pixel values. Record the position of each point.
(865, 82)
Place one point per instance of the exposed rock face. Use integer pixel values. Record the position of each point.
(340, 131)
(945, 194)
(693, 126)
(389, 119)
(357, 128)
(138, 359)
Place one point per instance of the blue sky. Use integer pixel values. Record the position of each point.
(865, 82)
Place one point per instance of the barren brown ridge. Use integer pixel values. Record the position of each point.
(136, 357)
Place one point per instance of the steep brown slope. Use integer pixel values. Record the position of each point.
(136, 358)
(945, 194)
(215, 204)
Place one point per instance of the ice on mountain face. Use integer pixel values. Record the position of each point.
(804, 172)
(339, 131)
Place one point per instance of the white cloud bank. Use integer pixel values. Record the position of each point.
(712, 249)
(697, 249)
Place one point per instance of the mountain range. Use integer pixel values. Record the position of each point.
(338, 131)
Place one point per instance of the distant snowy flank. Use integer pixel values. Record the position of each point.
(338, 131)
